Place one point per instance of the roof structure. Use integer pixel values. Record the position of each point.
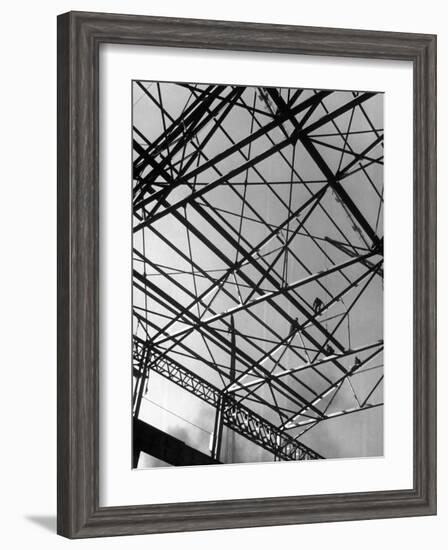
(258, 266)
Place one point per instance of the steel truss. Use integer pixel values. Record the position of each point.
(235, 415)
(258, 256)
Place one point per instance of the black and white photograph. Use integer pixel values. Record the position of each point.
(221, 306)
(257, 274)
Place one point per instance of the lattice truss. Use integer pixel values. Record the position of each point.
(258, 260)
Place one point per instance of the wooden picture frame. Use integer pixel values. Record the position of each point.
(79, 38)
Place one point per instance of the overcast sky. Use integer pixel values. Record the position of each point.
(183, 415)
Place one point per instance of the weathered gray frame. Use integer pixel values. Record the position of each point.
(79, 37)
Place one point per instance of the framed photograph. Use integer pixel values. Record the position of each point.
(246, 274)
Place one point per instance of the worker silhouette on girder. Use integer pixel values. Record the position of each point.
(295, 325)
(317, 305)
(329, 350)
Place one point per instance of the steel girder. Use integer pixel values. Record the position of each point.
(201, 320)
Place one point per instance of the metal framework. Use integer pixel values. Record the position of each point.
(258, 257)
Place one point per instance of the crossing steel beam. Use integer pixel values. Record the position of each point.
(302, 247)
(235, 415)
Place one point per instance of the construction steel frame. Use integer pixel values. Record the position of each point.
(82, 511)
(260, 329)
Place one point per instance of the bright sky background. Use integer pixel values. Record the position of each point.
(183, 415)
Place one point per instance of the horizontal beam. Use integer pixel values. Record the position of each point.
(329, 416)
(306, 366)
(163, 446)
(263, 297)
